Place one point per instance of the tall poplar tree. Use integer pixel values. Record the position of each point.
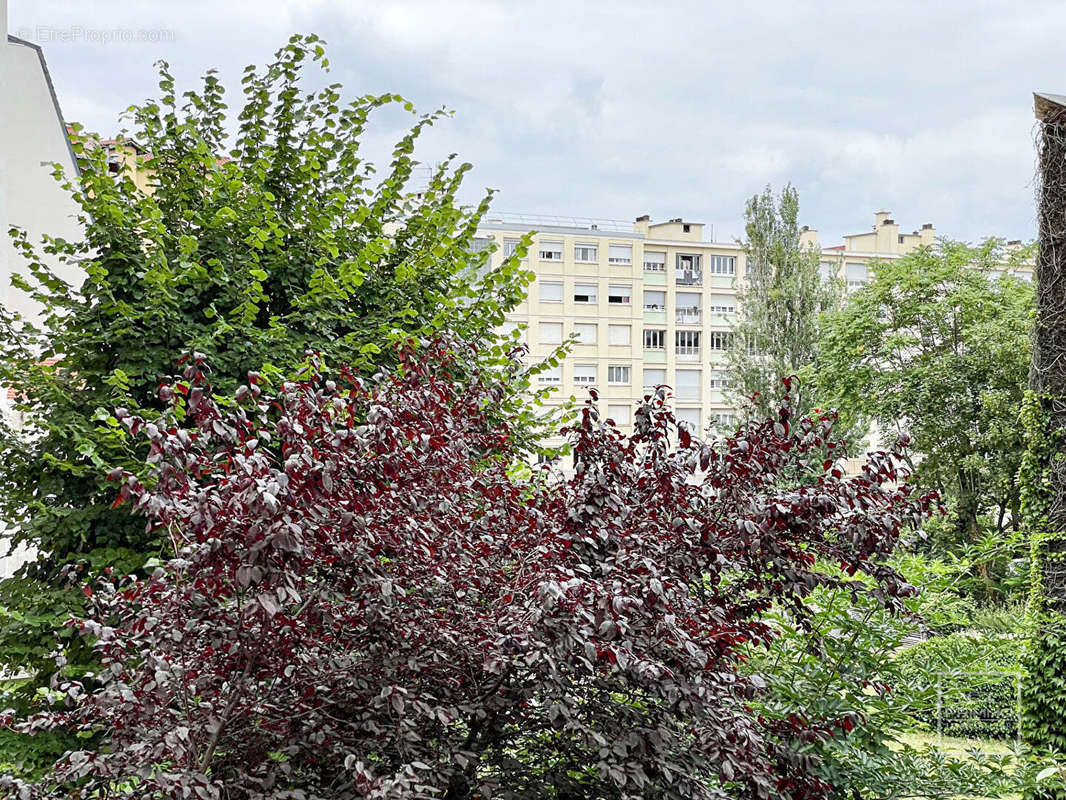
(783, 294)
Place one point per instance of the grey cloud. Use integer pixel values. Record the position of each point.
(676, 108)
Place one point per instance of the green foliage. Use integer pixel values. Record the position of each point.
(844, 668)
(975, 678)
(290, 242)
(1044, 687)
(937, 347)
(783, 294)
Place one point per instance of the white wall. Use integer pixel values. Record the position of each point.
(32, 134)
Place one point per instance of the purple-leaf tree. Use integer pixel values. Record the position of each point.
(371, 597)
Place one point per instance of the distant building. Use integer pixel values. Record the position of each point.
(654, 303)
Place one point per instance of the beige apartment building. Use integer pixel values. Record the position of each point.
(654, 303)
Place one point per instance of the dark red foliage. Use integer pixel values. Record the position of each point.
(369, 601)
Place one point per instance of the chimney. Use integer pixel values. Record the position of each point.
(880, 217)
(888, 222)
(644, 218)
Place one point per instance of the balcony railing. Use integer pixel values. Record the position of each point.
(689, 316)
(654, 266)
(690, 277)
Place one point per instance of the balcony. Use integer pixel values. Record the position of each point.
(689, 277)
(688, 316)
(687, 353)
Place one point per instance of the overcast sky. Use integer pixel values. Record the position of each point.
(616, 109)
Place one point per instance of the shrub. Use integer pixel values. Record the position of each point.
(367, 603)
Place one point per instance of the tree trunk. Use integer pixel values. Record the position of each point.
(1044, 689)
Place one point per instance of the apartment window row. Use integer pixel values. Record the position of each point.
(686, 342)
(687, 384)
(618, 294)
(586, 333)
(688, 304)
(584, 252)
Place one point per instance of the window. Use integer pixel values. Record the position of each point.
(654, 377)
(723, 304)
(689, 417)
(551, 333)
(620, 254)
(621, 414)
(825, 270)
(552, 376)
(551, 251)
(619, 294)
(586, 332)
(689, 271)
(654, 340)
(510, 247)
(585, 253)
(551, 292)
(720, 340)
(687, 343)
(720, 379)
(723, 265)
(687, 311)
(654, 262)
(618, 374)
(688, 384)
(481, 243)
(686, 228)
(585, 374)
(654, 300)
(585, 293)
(618, 334)
(857, 275)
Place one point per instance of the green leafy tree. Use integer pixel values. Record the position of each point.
(937, 347)
(782, 297)
(251, 249)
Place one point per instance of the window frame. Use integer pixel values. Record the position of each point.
(620, 261)
(540, 291)
(542, 325)
(593, 246)
(626, 294)
(626, 368)
(544, 244)
(594, 295)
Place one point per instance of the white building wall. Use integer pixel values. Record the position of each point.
(32, 138)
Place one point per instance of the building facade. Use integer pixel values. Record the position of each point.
(654, 303)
